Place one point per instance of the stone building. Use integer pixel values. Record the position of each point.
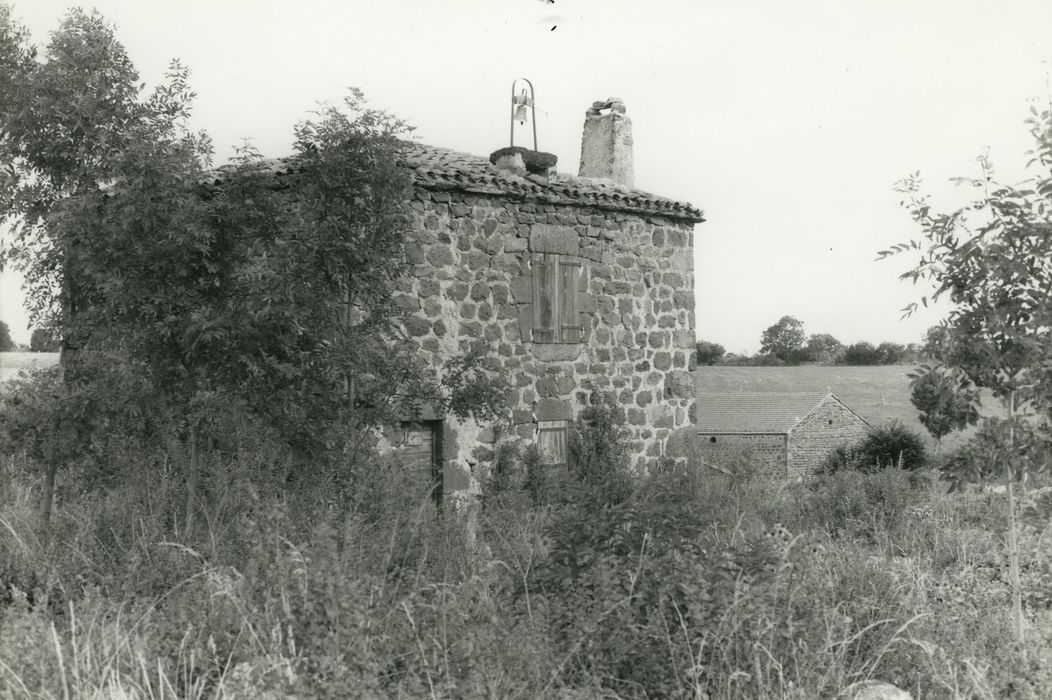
(576, 284)
(786, 435)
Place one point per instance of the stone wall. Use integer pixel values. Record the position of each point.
(811, 440)
(472, 279)
(765, 453)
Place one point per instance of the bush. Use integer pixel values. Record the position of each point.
(859, 504)
(709, 353)
(893, 444)
(597, 472)
(6, 344)
(861, 353)
(889, 445)
(891, 353)
(599, 453)
(981, 457)
(518, 479)
(636, 589)
(43, 341)
(766, 360)
(822, 348)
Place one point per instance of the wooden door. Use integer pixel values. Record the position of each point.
(421, 455)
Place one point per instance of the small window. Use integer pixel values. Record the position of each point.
(551, 440)
(555, 317)
(831, 421)
(712, 439)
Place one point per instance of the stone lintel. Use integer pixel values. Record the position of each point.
(549, 238)
(552, 409)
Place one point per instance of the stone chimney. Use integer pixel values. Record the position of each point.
(606, 146)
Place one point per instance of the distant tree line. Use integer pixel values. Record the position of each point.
(40, 341)
(786, 343)
(6, 344)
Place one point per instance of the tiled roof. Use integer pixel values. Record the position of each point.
(436, 168)
(441, 168)
(755, 413)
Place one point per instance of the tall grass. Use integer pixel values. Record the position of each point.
(694, 584)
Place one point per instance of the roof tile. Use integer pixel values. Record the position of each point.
(435, 168)
(754, 413)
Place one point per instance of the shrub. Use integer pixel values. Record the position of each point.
(709, 353)
(518, 478)
(843, 457)
(980, 457)
(635, 589)
(889, 445)
(891, 353)
(822, 348)
(858, 504)
(6, 344)
(597, 470)
(503, 483)
(43, 341)
(861, 353)
(893, 444)
(599, 453)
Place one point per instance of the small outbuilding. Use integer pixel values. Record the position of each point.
(567, 284)
(786, 435)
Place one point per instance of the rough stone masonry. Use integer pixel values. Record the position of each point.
(493, 243)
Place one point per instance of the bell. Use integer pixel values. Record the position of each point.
(521, 109)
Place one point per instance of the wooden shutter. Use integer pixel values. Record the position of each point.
(545, 296)
(551, 440)
(555, 317)
(569, 324)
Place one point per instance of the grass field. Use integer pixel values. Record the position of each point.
(12, 362)
(879, 394)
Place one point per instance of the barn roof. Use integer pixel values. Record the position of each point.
(435, 168)
(756, 413)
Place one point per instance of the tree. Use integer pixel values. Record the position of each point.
(861, 353)
(70, 124)
(991, 259)
(913, 353)
(946, 403)
(934, 340)
(823, 348)
(6, 344)
(890, 353)
(42, 340)
(218, 292)
(709, 353)
(784, 339)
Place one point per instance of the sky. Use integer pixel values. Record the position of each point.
(786, 122)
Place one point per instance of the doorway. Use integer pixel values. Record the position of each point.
(421, 455)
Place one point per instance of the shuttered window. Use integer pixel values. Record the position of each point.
(551, 440)
(555, 280)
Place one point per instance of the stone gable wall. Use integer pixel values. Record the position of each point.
(811, 440)
(471, 280)
(765, 453)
